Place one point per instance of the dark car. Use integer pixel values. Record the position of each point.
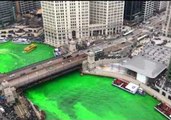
(22, 74)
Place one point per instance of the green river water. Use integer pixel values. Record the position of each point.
(12, 56)
(75, 97)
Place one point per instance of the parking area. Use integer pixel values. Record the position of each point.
(156, 53)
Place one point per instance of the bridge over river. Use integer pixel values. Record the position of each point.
(48, 69)
(44, 70)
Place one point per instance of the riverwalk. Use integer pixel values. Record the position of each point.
(149, 90)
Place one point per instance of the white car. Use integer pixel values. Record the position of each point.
(2, 109)
(13, 75)
(49, 62)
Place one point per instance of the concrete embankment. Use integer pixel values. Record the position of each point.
(35, 110)
(149, 90)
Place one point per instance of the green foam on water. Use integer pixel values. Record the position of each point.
(75, 97)
(12, 56)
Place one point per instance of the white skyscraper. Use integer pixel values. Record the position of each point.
(148, 9)
(64, 20)
(160, 6)
(167, 22)
(106, 17)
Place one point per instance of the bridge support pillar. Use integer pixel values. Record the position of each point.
(84, 66)
(8, 92)
(91, 60)
(72, 46)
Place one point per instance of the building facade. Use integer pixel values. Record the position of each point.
(133, 13)
(21, 31)
(7, 13)
(23, 7)
(78, 20)
(160, 6)
(64, 20)
(148, 9)
(138, 11)
(167, 23)
(106, 17)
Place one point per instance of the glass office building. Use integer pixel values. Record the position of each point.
(7, 13)
(133, 11)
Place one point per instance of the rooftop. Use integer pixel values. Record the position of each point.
(144, 66)
(160, 54)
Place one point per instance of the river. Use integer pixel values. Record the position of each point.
(76, 97)
(12, 55)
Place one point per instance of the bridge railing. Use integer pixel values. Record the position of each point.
(31, 65)
(108, 61)
(35, 76)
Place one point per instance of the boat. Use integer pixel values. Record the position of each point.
(127, 86)
(140, 91)
(30, 48)
(164, 110)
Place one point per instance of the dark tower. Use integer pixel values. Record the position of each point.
(7, 13)
(133, 13)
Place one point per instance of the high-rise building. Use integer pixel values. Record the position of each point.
(7, 12)
(64, 20)
(23, 7)
(133, 12)
(138, 11)
(167, 23)
(148, 9)
(159, 6)
(106, 17)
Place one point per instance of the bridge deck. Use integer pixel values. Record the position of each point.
(46, 70)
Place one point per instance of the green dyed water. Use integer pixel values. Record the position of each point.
(75, 97)
(12, 56)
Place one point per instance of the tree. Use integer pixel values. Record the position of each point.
(169, 72)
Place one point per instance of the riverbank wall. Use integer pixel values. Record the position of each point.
(149, 90)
